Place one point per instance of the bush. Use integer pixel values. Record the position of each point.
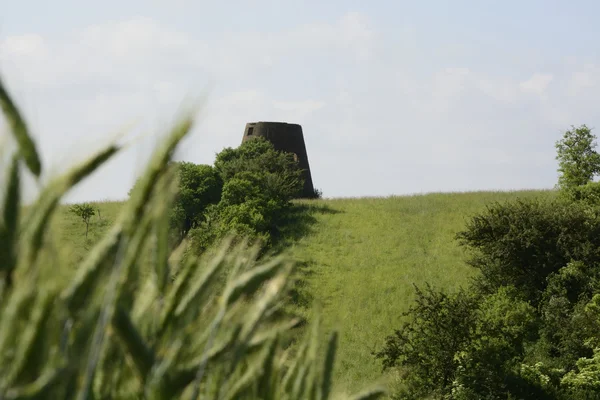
(282, 177)
(425, 347)
(258, 186)
(126, 326)
(488, 365)
(522, 243)
(583, 381)
(247, 193)
(588, 193)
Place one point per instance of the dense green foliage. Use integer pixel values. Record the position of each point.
(134, 320)
(258, 186)
(247, 193)
(427, 347)
(523, 243)
(527, 325)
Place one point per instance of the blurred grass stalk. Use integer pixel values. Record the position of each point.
(125, 326)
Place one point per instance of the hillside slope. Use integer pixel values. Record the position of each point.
(358, 261)
(363, 257)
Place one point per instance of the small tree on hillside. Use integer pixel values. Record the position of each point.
(577, 157)
(85, 211)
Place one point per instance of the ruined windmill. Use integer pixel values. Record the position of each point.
(284, 137)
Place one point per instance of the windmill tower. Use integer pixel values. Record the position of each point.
(284, 137)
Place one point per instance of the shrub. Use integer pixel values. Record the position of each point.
(522, 243)
(280, 175)
(583, 381)
(488, 364)
(126, 326)
(258, 186)
(425, 347)
(588, 193)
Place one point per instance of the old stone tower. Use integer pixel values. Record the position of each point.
(284, 137)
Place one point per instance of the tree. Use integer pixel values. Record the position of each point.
(521, 243)
(281, 176)
(259, 183)
(577, 157)
(85, 211)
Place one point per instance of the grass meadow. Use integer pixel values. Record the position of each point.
(358, 260)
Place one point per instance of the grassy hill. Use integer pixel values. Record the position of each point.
(359, 260)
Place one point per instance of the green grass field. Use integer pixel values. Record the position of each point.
(359, 259)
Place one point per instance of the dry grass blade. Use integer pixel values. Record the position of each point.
(27, 147)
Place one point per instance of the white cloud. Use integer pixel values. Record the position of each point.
(302, 108)
(537, 84)
(448, 85)
(584, 79)
(501, 90)
(23, 46)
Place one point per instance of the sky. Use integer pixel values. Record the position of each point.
(394, 97)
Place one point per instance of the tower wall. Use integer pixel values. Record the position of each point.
(284, 137)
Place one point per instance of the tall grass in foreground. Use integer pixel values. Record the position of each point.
(125, 326)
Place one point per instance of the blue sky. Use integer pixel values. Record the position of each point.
(394, 97)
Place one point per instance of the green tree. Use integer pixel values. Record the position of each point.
(522, 243)
(258, 186)
(577, 157)
(281, 177)
(85, 211)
